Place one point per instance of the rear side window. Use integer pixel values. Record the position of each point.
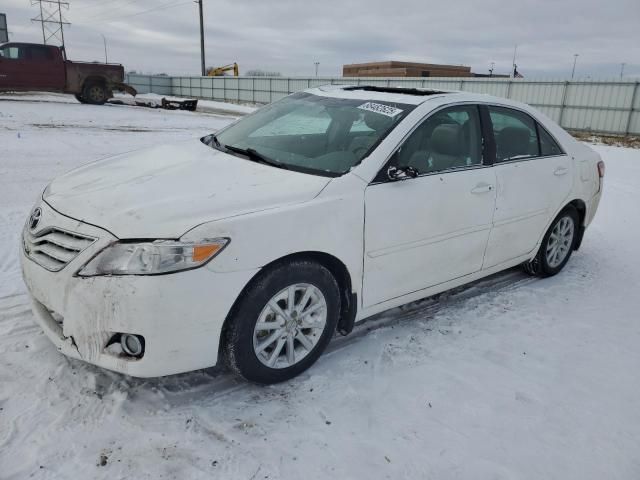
(40, 53)
(515, 134)
(548, 146)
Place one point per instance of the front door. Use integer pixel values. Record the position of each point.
(427, 230)
(534, 178)
(13, 72)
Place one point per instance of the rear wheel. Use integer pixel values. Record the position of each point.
(557, 245)
(283, 322)
(95, 93)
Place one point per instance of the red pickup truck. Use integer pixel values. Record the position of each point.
(29, 66)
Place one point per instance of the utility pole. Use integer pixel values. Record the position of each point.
(106, 58)
(575, 59)
(491, 69)
(4, 32)
(51, 19)
(513, 64)
(622, 70)
(316, 64)
(203, 68)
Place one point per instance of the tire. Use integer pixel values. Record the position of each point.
(246, 346)
(95, 93)
(561, 239)
(79, 98)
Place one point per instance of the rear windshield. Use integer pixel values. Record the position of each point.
(313, 134)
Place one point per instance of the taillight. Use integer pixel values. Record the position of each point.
(601, 169)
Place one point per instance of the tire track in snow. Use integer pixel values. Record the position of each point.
(213, 385)
(9, 240)
(431, 306)
(216, 383)
(187, 401)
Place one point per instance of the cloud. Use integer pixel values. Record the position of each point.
(290, 35)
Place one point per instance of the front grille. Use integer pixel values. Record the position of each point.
(53, 248)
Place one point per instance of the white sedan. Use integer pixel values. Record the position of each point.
(256, 244)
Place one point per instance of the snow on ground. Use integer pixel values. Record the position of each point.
(511, 378)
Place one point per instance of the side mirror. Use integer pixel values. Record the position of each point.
(401, 173)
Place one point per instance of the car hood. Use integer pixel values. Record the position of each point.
(164, 191)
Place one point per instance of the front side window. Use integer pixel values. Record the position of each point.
(13, 53)
(310, 133)
(448, 139)
(515, 134)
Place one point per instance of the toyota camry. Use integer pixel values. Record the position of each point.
(254, 245)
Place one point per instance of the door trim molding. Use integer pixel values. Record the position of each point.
(438, 288)
(519, 218)
(427, 241)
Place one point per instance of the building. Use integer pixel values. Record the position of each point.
(4, 33)
(404, 69)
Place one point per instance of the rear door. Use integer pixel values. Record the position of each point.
(46, 68)
(534, 177)
(427, 230)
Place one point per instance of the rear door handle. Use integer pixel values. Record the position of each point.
(482, 188)
(561, 171)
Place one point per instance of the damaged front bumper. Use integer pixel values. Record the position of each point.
(179, 315)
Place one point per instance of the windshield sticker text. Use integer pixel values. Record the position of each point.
(381, 109)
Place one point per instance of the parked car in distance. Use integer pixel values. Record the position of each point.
(254, 245)
(45, 68)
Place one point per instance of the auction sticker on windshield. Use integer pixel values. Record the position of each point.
(381, 109)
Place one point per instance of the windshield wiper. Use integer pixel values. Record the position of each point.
(253, 154)
(215, 140)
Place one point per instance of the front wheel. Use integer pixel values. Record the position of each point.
(557, 245)
(283, 322)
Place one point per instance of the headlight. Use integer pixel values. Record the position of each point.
(152, 258)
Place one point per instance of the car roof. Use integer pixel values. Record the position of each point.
(407, 95)
(27, 44)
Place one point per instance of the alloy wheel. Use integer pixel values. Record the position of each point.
(560, 241)
(290, 325)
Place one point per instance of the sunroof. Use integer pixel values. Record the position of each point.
(403, 90)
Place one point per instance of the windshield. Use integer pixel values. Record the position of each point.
(313, 134)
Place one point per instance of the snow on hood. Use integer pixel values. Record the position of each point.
(164, 191)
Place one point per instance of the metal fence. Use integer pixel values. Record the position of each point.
(611, 107)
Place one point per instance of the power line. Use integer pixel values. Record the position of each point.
(108, 6)
(160, 7)
(98, 11)
(51, 14)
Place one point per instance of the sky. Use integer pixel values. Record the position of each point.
(288, 36)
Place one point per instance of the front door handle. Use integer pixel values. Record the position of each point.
(560, 171)
(482, 188)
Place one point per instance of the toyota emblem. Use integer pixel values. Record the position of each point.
(34, 219)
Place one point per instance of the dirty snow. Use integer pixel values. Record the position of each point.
(512, 378)
(207, 106)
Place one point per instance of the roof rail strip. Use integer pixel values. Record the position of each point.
(402, 90)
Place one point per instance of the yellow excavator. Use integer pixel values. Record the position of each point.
(220, 71)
